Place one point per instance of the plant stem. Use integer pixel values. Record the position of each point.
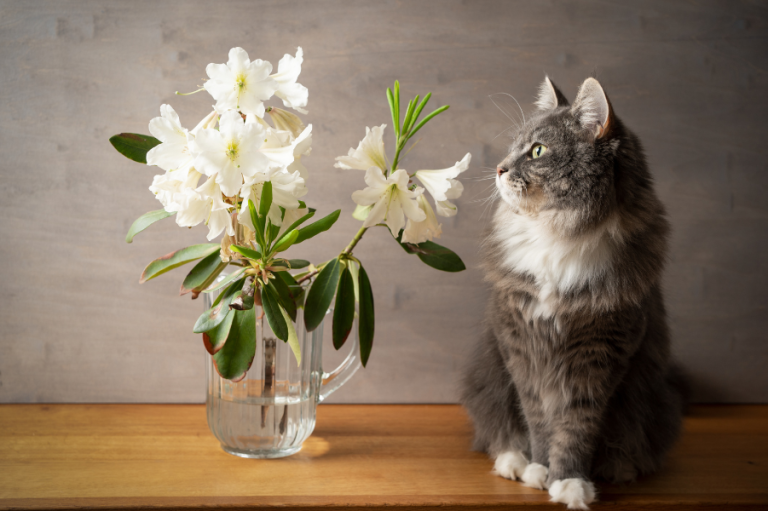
(354, 241)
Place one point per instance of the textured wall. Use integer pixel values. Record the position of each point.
(688, 77)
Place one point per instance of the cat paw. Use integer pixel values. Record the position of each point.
(576, 493)
(535, 476)
(510, 465)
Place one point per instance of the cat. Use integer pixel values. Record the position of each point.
(572, 379)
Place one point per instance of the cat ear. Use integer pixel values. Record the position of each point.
(550, 96)
(592, 108)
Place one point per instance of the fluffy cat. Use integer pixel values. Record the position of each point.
(572, 378)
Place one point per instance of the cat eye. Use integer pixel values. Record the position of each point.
(538, 150)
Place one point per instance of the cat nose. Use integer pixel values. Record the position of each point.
(500, 170)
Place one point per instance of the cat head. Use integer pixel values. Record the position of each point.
(561, 162)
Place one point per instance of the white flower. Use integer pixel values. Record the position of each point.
(286, 121)
(419, 232)
(390, 198)
(286, 190)
(231, 152)
(172, 191)
(205, 204)
(240, 84)
(294, 95)
(174, 152)
(447, 208)
(369, 153)
(438, 182)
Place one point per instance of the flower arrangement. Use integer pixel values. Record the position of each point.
(244, 177)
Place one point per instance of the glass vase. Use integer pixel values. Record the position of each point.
(272, 410)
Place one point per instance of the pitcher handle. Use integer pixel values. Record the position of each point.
(339, 376)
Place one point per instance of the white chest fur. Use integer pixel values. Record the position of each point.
(558, 264)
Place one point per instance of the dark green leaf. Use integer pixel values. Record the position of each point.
(145, 221)
(434, 255)
(297, 264)
(176, 259)
(272, 311)
(226, 280)
(367, 318)
(316, 228)
(134, 146)
(215, 338)
(284, 296)
(247, 252)
(256, 223)
(344, 309)
(203, 274)
(219, 310)
(235, 358)
(321, 294)
(243, 299)
(296, 289)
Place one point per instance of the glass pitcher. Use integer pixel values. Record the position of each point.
(270, 412)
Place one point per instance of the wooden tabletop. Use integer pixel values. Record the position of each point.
(412, 456)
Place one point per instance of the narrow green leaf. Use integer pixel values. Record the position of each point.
(296, 290)
(367, 318)
(439, 257)
(256, 225)
(264, 205)
(427, 119)
(284, 295)
(286, 241)
(219, 310)
(235, 358)
(321, 294)
(418, 110)
(226, 280)
(293, 339)
(145, 221)
(316, 228)
(176, 259)
(134, 146)
(272, 311)
(247, 252)
(391, 100)
(215, 338)
(344, 309)
(297, 264)
(396, 94)
(301, 220)
(354, 269)
(203, 274)
(408, 114)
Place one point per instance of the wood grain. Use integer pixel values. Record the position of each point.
(415, 456)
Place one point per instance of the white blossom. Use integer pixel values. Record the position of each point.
(438, 182)
(419, 232)
(232, 152)
(286, 121)
(293, 94)
(241, 84)
(286, 191)
(369, 152)
(391, 199)
(445, 207)
(205, 204)
(173, 153)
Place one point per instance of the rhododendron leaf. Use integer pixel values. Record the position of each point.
(344, 309)
(321, 294)
(145, 221)
(215, 338)
(176, 259)
(367, 318)
(236, 357)
(203, 274)
(272, 311)
(134, 146)
(316, 228)
(219, 310)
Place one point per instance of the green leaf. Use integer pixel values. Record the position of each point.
(293, 339)
(235, 358)
(297, 264)
(367, 318)
(203, 274)
(418, 110)
(391, 100)
(134, 146)
(408, 114)
(321, 294)
(256, 223)
(272, 311)
(286, 241)
(226, 280)
(176, 259)
(247, 252)
(301, 220)
(215, 338)
(427, 119)
(354, 269)
(284, 295)
(296, 289)
(264, 205)
(344, 309)
(434, 255)
(396, 95)
(145, 221)
(219, 310)
(316, 228)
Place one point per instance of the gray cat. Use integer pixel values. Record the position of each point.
(573, 379)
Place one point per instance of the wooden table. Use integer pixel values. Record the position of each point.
(416, 456)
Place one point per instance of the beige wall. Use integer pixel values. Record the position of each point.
(689, 78)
